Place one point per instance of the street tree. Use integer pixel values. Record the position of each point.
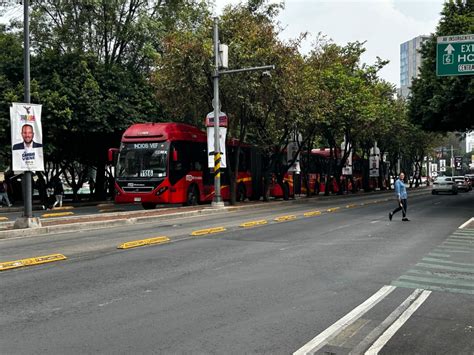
(444, 103)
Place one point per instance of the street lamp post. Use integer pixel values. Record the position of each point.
(217, 201)
(27, 220)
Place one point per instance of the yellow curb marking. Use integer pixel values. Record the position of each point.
(285, 218)
(111, 210)
(312, 213)
(140, 243)
(31, 261)
(105, 205)
(208, 231)
(351, 206)
(63, 208)
(3, 218)
(334, 209)
(59, 214)
(253, 223)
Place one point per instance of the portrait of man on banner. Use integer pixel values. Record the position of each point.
(27, 140)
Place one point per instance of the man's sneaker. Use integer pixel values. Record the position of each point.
(404, 219)
(390, 215)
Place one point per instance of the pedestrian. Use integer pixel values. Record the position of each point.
(4, 193)
(401, 193)
(58, 192)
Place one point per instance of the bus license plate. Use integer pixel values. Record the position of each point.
(137, 199)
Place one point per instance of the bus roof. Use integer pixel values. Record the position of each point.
(160, 132)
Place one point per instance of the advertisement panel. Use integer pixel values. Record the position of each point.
(27, 137)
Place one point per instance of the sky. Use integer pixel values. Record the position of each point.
(384, 24)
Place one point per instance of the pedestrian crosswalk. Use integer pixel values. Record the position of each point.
(448, 268)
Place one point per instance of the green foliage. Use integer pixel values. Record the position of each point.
(444, 103)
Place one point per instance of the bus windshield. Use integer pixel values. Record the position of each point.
(142, 160)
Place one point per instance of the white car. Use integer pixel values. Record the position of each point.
(444, 184)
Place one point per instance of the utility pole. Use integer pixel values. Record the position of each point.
(28, 213)
(27, 220)
(217, 201)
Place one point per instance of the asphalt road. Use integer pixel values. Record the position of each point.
(340, 281)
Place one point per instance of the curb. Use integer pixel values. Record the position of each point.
(118, 219)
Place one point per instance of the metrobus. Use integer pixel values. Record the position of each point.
(167, 163)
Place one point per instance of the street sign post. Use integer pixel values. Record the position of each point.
(455, 55)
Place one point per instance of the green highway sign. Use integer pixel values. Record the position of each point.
(455, 55)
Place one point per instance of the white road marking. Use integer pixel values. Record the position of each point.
(390, 332)
(323, 338)
(465, 224)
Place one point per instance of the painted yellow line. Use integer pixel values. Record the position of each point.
(3, 218)
(31, 261)
(208, 231)
(334, 209)
(59, 214)
(254, 223)
(312, 213)
(140, 243)
(351, 206)
(63, 208)
(285, 218)
(111, 210)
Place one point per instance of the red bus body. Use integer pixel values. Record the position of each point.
(163, 163)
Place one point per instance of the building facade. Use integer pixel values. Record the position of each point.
(410, 61)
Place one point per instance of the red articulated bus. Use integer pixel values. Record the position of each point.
(167, 163)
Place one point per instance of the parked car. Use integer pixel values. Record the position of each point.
(463, 183)
(444, 184)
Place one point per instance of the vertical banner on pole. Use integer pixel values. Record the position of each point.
(27, 137)
(374, 161)
(209, 122)
(210, 146)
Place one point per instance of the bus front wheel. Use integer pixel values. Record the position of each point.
(149, 205)
(192, 197)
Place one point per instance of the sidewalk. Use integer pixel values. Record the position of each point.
(113, 219)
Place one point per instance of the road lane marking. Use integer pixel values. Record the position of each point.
(382, 327)
(110, 210)
(446, 267)
(312, 213)
(406, 284)
(333, 209)
(285, 218)
(254, 223)
(442, 274)
(323, 338)
(464, 225)
(59, 214)
(439, 281)
(208, 231)
(351, 205)
(390, 332)
(31, 261)
(143, 242)
(63, 208)
(442, 261)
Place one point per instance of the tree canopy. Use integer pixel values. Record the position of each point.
(444, 103)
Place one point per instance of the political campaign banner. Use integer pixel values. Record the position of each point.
(27, 137)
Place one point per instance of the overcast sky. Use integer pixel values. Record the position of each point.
(384, 24)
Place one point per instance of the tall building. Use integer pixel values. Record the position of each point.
(410, 61)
